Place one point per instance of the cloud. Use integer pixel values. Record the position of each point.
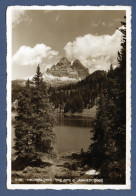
(49, 77)
(95, 52)
(18, 16)
(27, 56)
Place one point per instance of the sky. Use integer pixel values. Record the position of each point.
(44, 36)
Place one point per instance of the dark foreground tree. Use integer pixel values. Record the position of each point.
(109, 148)
(34, 122)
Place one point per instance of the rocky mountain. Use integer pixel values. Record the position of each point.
(64, 68)
(80, 69)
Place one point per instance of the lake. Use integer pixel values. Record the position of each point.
(73, 134)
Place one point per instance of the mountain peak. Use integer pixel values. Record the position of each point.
(64, 69)
(82, 70)
(77, 61)
(64, 60)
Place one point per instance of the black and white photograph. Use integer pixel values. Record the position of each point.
(68, 97)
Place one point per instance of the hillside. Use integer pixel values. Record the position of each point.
(76, 97)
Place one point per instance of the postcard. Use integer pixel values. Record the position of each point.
(68, 97)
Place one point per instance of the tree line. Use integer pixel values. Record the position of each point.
(76, 97)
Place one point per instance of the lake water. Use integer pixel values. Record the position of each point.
(73, 134)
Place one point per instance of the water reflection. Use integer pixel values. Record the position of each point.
(73, 134)
(74, 121)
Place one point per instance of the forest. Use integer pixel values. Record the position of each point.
(73, 97)
(76, 97)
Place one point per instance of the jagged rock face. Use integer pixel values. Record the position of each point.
(64, 68)
(64, 62)
(81, 70)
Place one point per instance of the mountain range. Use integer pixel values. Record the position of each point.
(65, 68)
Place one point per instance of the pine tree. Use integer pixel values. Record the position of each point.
(38, 79)
(34, 123)
(27, 83)
(43, 119)
(22, 125)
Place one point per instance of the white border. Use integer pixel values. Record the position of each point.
(128, 101)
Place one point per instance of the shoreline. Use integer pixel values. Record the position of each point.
(86, 113)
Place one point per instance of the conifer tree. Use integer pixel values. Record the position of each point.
(34, 123)
(43, 119)
(38, 79)
(22, 125)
